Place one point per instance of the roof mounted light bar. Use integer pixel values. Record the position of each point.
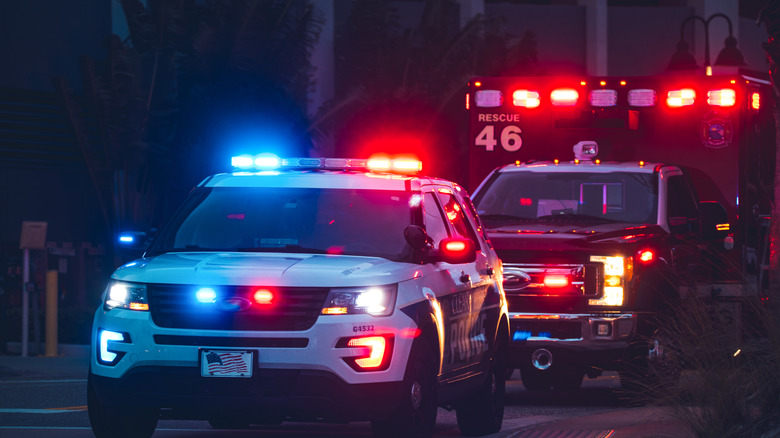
(272, 162)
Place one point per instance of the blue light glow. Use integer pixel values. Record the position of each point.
(521, 335)
(126, 239)
(242, 161)
(206, 295)
(545, 335)
(104, 337)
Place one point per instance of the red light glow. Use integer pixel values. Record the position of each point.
(755, 101)
(683, 97)
(723, 97)
(376, 350)
(455, 246)
(263, 296)
(564, 97)
(556, 280)
(646, 256)
(526, 201)
(526, 98)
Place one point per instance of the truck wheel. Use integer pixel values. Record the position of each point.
(535, 380)
(653, 365)
(108, 422)
(416, 414)
(483, 412)
(568, 381)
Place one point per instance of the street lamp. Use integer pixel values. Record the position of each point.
(730, 55)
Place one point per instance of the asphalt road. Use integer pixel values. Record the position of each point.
(46, 397)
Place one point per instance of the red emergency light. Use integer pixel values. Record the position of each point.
(556, 280)
(263, 296)
(375, 352)
(755, 101)
(723, 97)
(564, 97)
(680, 98)
(526, 98)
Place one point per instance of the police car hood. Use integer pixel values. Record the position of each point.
(271, 269)
(545, 236)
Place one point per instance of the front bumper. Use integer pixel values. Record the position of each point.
(577, 339)
(310, 395)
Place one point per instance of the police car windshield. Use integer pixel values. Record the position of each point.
(290, 220)
(515, 197)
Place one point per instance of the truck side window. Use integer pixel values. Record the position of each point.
(434, 221)
(681, 202)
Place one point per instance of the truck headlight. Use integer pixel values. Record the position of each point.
(120, 294)
(615, 270)
(371, 300)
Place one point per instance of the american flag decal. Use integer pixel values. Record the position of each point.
(226, 363)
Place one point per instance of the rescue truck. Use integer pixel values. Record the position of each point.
(306, 289)
(610, 201)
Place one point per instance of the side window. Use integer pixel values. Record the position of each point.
(434, 221)
(457, 217)
(471, 212)
(681, 202)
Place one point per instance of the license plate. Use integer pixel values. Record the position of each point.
(225, 363)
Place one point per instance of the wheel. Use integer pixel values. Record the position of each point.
(535, 380)
(568, 381)
(125, 422)
(483, 412)
(652, 366)
(415, 415)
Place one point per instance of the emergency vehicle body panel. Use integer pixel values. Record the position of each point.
(272, 266)
(582, 241)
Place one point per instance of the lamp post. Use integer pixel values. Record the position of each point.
(730, 55)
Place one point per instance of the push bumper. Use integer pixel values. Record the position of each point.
(574, 339)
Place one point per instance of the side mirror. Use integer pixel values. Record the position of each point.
(455, 250)
(714, 220)
(417, 238)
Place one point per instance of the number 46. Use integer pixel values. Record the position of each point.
(510, 138)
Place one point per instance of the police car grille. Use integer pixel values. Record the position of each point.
(292, 308)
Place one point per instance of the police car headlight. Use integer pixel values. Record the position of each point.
(120, 294)
(371, 300)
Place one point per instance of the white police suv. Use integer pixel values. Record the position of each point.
(313, 290)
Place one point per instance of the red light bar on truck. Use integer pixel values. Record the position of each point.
(679, 98)
(723, 97)
(526, 98)
(564, 97)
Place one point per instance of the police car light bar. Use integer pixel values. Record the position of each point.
(270, 162)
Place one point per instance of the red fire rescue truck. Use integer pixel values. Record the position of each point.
(610, 200)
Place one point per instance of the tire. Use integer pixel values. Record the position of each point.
(125, 422)
(567, 381)
(415, 415)
(483, 412)
(535, 380)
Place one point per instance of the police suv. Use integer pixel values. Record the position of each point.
(307, 289)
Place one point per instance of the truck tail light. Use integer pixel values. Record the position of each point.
(755, 101)
(564, 97)
(526, 98)
(679, 98)
(723, 97)
(375, 355)
(645, 256)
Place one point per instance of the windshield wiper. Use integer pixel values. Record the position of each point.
(574, 217)
(504, 217)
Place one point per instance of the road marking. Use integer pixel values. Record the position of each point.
(564, 434)
(43, 381)
(44, 411)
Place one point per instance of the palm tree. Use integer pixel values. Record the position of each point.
(157, 112)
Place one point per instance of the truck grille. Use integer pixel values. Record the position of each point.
(572, 280)
(292, 308)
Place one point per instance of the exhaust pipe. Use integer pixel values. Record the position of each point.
(541, 359)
